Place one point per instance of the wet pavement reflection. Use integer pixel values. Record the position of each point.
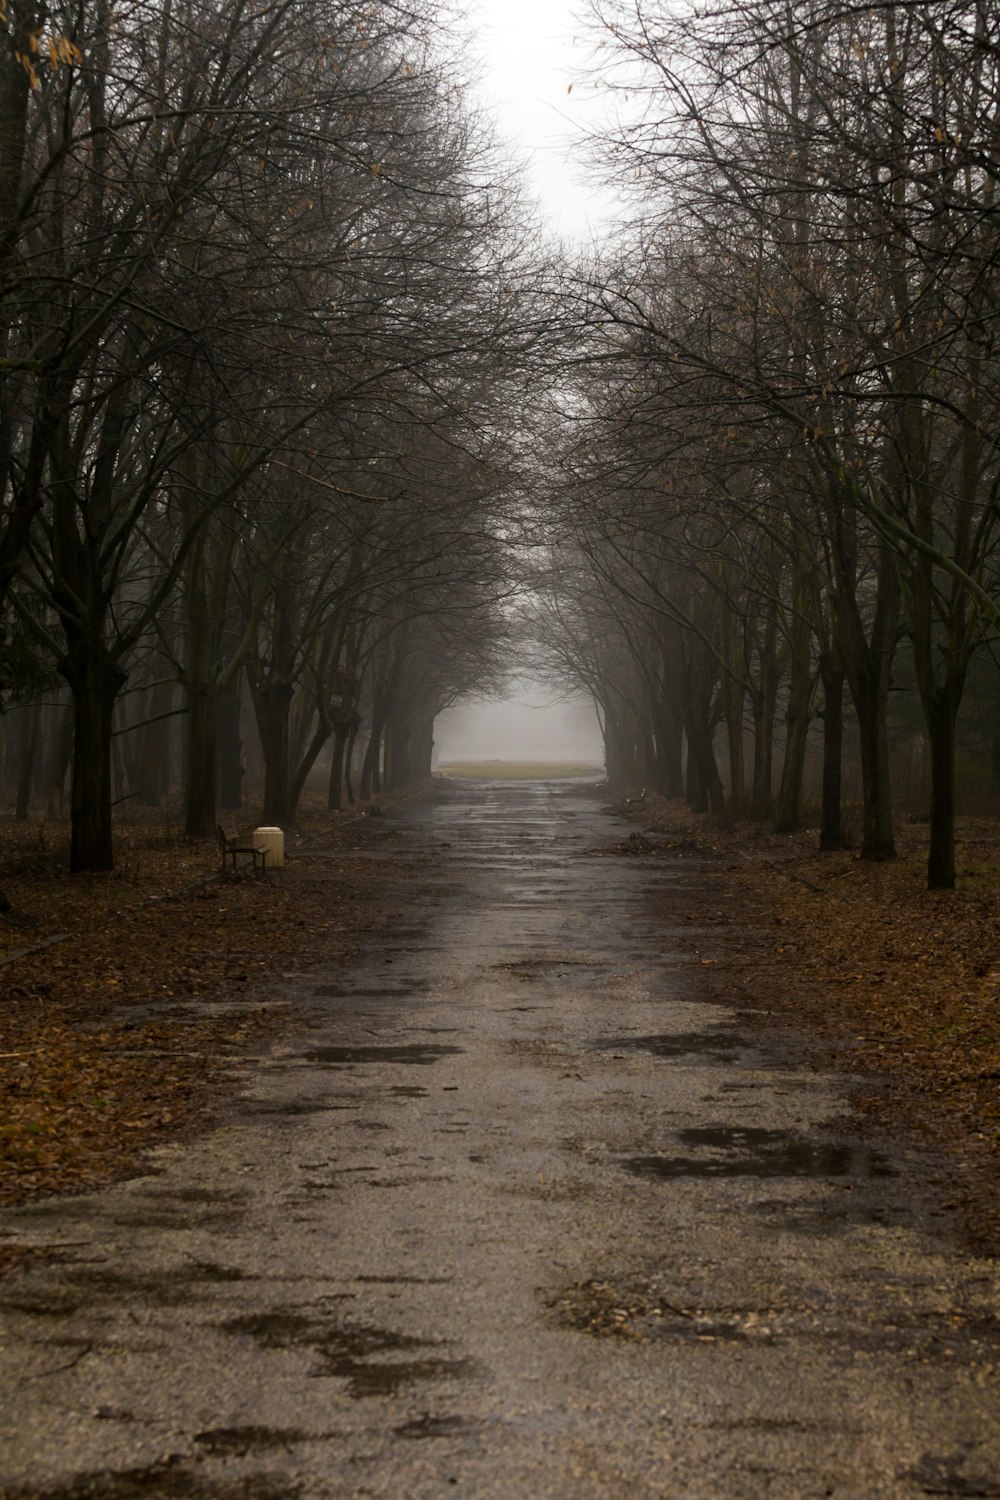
(527, 1214)
(741, 1151)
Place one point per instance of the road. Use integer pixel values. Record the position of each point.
(521, 1217)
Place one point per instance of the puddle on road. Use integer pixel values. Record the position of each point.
(435, 1427)
(527, 968)
(181, 1220)
(354, 1353)
(414, 1052)
(407, 1280)
(713, 1044)
(169, 1479)
(86, 1285)
(369, 992)
(239, 1441)
(829, 1217)
(753, 1152)
(291, 1107)
(949, 1474)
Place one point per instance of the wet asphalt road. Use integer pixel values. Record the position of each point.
(522, 1218)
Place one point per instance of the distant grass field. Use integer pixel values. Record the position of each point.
(517, 770)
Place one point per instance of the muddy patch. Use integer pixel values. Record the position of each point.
(369, 992)
(828, 1217)
(169, 1288)
(407, 1280)
(537, 1048)
(417, 1053)
(435, 1427)
(951, 1474)
(292, 1108)
(239, 1441)
(742, 1151)
(718, 1046)
(168, 1480)
(212, 1196)
(532, 968)
(183, 1218)
(362, 1356)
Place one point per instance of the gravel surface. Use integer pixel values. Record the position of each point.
(522, 1216)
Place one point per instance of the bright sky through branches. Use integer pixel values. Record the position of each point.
(535, 56)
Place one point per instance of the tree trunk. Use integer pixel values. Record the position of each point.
(765, 705)
(737, 760)
(867, 663)
(62, 749)
(30, 717)
(301, 775)
(95, 680)
(154, 746)
(698, 683)
(620, 751)
(396, 750)
(371, 781)
(670, 755)
(788, 816)
(801, 682)
(229, 750)
(660, 778)
(334, 794)
(831, 829)
(704, 782)
(763, 745)
(277, 703)
(941, 718)
(878, 840)
(204, 635)
(199, 762)
(423, 753)
(352, 740)
(119, 766)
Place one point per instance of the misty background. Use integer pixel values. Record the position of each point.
(532, 723)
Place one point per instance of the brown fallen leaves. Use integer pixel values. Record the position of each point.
(603, 1308)
(77, 1106)
(121, 1033)
(904, 983)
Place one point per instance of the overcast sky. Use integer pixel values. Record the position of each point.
(535, 58)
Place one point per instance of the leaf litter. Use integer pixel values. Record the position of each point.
(900, 984)
(125, 1031)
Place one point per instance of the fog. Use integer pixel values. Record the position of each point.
(534, 723)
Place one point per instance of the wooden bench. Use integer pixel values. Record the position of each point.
(230, 849)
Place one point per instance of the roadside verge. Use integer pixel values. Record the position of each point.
(126, 1032)
(895, 985)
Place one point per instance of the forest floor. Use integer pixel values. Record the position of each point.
(895, 984)
(122, 1020)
